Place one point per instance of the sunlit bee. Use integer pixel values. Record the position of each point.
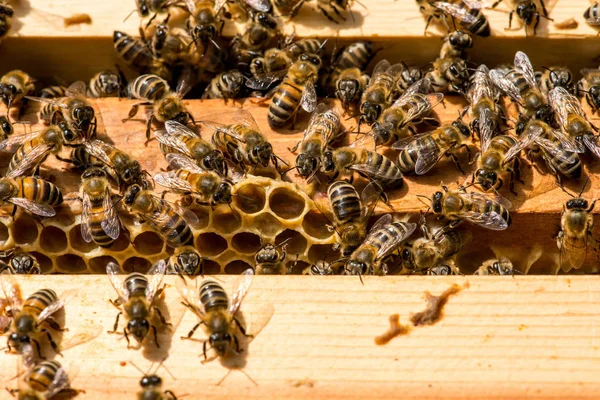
(124, 169)
(592, 15)
(499, 266)
(203, 23)
(483, 97)
(152, 386)
(14, 86)
(136, 54)
(137, 293)
(449, 75)
(269, 259)
(44, 380)
(321, 268)
(185, 261)
(378, 96)
(354, 57)
(383, 239)
(528, 11)
(468, 14)
(556, 77)
(250, 45)
(105, 84)
(443, 270)
(226, 85)
(456, 45)
(53, 92)
(34, 195)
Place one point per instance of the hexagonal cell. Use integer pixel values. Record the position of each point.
(25, 229)
(210, 244)
(211, 267)
(148, 243)
(250, 198)
(98, 264)
(64, 216)
(76, 240)
(316, 224)
(203, 215)
(297, 267)
(136, 264)
(45, 262)
(267, 224)
(52, 239)
(122, 241)
(246, 242)
(318, 252)
(226, 220)
(286, 204)
(4, 233)
(236, 267)
(295, 242)
(70, 263)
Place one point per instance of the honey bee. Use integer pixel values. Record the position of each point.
(166, 105)
(99, 219)
(449, 74)
(204, 187)
(185, 261)
(351, 212)
(6, 127)
(226, 85)
(413, 106)
(137, 294)
(288, 7)
(488, 211)
(248, 46)
(34, 195)
(269, 259)
(160, 216)
(105, 84)
(456, 45)
(369, 164)
(169, 45)
(53, 92)
(21, 263)
(350, 85)
(592, 15)
(204, 25)
(556, 77)
(576, 223)
(276, 59)
(121, 167)
(499, 266)
(333, 10)
(520, 85)
(15, 85)
(32, 319)
(482, 95)
(383, 239)
(527, 11)
(177, 138)
(379, 94)
(220, 315)
(296, 90)
(44, 380)
(448, 269)
(132, 51)
(152, 386)
(589, 86)
(421, 152)
(145, 7)
(469, 15)
(321, 268)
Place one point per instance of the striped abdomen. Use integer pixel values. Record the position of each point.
(24, 151)
(39, 191)
(83, 159)
(519, 81)
(345, 201)
(452, 242)
(227, 144)
(408, 157)
(386, 233)
(53, 92)
(285, 103)
(96, 216)
(213, 296)
(570, 168)
(303, 46)
(132, 51)
(480, 26)
(171, 226)
(356, 55)
(383, 169)
(488, 206)
(148, 87)
(38, 301)
(136, 284)
(41, 375)
(47, 113)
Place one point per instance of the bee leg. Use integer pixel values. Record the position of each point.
(326, 14)
(510, 16)
(170, 395)
(127, 337)
(241, 328)
(12, 391)
(544, 8)
(155, 336)
(237, 345)
(163, 320)
(13, 212)
(517, 170)
(537, 22)
(456, 162)
(52, 343)
(148, 131)
(55, 326)
(191, 333)
(116, 325)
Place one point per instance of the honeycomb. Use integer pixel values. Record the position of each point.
(227, 237)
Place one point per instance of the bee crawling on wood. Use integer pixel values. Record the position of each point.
(152, 384)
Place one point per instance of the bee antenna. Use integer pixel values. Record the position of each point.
(162, 364)
(565, 190)
(139, 369)
(354, 116)
(129, 15)
(284, 242)
(420, 197)
(584, 185)
(322, 45)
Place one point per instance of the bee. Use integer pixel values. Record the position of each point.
(276, 59)
(53, 92)
(15, 85)
(221, 314)
(45, 380)
(348, 77)
(288, 7)
(269, 259)
(242, 142)
(574, 124)
(483, 102)
(185, 261)
(203, 24)
(443, 270)
(145, 7)
(449, 74)
(592, 15)
(121, 167)
(6, 13)
(323, 129)
(499, 266)
(6, 127)
(75, 109)
(379, 94)
(80, 158)
(527, 11)
(204, 187)
(576, 223)
(167, 44)
(421, 152)
(488, 211)
(177, 138)
(413, 106)
(296, 90)
(152, 386)
(21, 263)
(520, 85)
(469, 15)
(226, 85)
(32, 319)
(99, 219)
(160, 216)
(34, 195)
(138, 56)
(456, 45)
(105, 84)
(547, 145)
(383, 239)
(350, 85)
(589, 86)
(369, 164)
(248, 46)
(556, 77)
(165, 107)
(321, 268)
(351, 212)
(137, 294)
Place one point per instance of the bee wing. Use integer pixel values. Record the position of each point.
(171, 181)
(554, 148)
(191, 297)
(62, 300)
(380, 223)
(309, 97)
(381, 67)
(12, 291)
(190, 5)
(489, 220)
(523, 65)
(110, 223)
(474, 4)
(514, 151)
(420, 86)
(592, 142)
(55, 102)
(17, 140)
(78, 88)
(499, 79)
(486, 129)
(320, 109)
(157, 273)
(563, 104)
(86, 208)
(112, 271)
(44, 210)
(84, 334)
(218, 5)
(481, 85)
(99, 149)
(172, 141)
(419, 109)
(33, 158)
(572, 252)
(245, 118)
(568, 142)
(175, 128)
(456, 10)
(259, 5)
(405, 142)
(428, 157)
(264, 81)
(179, 161)
(369, 198)
(477, 197)
(60, 382)
(242, 285)
(392, 244)
(258, 317)
(369, 170)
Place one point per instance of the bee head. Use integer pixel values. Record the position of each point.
(138, 328)
(131, 194)
(257, 65)
(457, 72)
(354, 267)
(577, 204)
(527, 11)
(6, 126)
(263, 152)
(460, 39)
(83, 115)
(268, 254)
(487, 179)
(409, 76)
(220, 341)
(370, 112)
(142, 6)
(205, 32)
(347, 90)
(22, 263)
(109, 83)
(6, 188)
(462, 128)
(306, 165)
(311, 58)
(189, 261)
(93, 172)
(266, 20)
(223, 193)
(150, 381)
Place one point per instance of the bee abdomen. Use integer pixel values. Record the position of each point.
(213, 296)
(148, 87)
(96, 217)
(136, 284)
(52, 92)
(40, 300)
(384, 167)
(132, 50)
(284, 104)
(175, 230)
(40, 191)
(41, 375)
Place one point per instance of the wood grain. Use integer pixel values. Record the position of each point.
(519, 337)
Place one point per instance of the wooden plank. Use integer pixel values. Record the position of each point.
(519, 337)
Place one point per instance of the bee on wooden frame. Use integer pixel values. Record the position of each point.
(151, 384)
(528, 11)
